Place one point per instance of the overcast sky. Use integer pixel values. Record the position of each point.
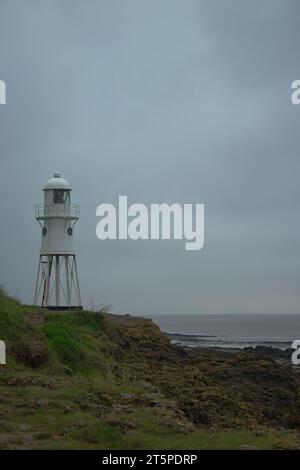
(165, 101)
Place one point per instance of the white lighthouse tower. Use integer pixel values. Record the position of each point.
(57, 285)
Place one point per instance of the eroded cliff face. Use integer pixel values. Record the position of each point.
(238, 390)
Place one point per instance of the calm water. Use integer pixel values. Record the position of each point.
(232, 331)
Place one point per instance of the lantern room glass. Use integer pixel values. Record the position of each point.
(61, 197)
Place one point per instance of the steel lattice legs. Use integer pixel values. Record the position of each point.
(59, 284)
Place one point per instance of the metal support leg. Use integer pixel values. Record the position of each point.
(37, 282)
(77, 282)
(49, 265)
(57, 281)
(67, 281)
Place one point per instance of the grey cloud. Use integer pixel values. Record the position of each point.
(165, 102)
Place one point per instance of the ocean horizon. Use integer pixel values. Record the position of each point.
(231, 330)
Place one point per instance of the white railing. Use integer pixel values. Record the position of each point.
(57, 210)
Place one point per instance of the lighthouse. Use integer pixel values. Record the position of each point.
(57, 285)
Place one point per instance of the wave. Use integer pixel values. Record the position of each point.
(223, 342)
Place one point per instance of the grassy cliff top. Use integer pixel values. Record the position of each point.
(102, 381)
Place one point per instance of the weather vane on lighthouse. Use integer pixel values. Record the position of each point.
(57, 278)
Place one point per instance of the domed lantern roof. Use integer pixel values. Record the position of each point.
(57, 183)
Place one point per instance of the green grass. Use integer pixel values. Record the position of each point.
(207, 440)
(72, 338)
(12, 324)
(66, 344)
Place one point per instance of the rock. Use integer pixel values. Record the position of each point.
(44, 382)
(128, 396)
(260, 433)
(41, 402)
(247, 447)
(121, 424)
(196, 412)
(186, 427)
(68, 370)
(23, 427)
(33, 354)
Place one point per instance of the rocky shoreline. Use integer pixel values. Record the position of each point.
(277, 354)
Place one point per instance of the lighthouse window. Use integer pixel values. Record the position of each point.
(67, 198)
(58, 196)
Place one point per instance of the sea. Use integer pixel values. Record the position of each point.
(231, 330)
